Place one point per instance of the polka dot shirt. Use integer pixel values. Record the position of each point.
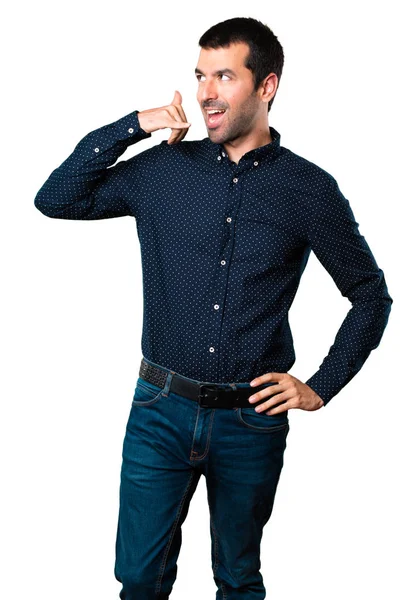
(223, 248)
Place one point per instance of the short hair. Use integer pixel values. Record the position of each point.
(265, 55)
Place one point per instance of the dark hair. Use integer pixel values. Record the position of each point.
(266, 53)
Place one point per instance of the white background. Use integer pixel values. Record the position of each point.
(343, 523)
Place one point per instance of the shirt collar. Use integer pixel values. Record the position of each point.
(214, 151)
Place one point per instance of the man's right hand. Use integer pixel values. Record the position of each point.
(172, 116)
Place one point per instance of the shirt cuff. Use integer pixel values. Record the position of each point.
(129, 127)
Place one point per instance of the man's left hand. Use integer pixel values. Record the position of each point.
(289, 392)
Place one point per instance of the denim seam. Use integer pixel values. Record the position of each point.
(163, 391)
(148, 390)
(208, 439)
(266, 429)
(164, 559)
(216, 562)
(147, 402)
(194, 434)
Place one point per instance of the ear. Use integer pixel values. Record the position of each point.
(269, 87)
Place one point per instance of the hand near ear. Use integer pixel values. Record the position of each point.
(172, 115)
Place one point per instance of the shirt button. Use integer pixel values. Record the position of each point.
(96, 149)
(223, 262)
(131, 130)
(211, 349)
(235, 179)
(256, 163)
(229, 219)
(216, 306)
(218, 157)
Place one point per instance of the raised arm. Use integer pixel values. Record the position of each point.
(345, 254)
(85, 186)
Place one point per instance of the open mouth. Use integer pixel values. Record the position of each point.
(215, 116)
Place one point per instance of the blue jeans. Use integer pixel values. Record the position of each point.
(170, 441)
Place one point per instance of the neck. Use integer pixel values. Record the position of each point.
(260, 136)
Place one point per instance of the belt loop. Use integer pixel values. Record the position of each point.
(168, 382)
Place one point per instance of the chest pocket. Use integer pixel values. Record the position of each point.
(268, 211)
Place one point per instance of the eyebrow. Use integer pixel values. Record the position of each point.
(230, 71)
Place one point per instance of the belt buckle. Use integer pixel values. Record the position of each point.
(211, 401)
(214, 400)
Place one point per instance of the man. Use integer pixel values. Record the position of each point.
(226, 225)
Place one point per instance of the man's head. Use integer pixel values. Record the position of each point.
(239, 70)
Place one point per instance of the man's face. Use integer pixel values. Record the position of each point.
(225, 83)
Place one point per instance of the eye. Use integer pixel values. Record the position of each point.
(200, 77)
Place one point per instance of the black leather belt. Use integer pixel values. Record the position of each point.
(208, 395)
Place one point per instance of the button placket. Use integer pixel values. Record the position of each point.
(220, 287)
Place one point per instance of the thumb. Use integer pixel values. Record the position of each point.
(177, 98)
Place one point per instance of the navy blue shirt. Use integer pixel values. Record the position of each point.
(223, 248)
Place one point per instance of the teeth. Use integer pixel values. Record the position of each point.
(212, 112)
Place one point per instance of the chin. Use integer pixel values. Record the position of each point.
(216, 136)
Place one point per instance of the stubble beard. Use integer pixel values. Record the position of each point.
(237, 127)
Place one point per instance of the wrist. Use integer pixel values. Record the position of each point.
(142, 121)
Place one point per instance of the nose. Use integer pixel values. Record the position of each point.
(209, 90)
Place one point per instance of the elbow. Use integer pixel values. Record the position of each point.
(386, 297)
(43, 206)
(46, 206)
(371, 290)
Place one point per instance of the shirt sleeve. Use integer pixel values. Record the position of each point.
(85, 186)
(342, 250)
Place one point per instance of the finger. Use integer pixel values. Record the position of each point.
(269, 389)
(184, 131)
(266, 378)
(272, 376)
(279, 409)
(175, 114)
(274, 403)
(182, 112)
(265, 392)
(177, 98)
(177, 124)
(179, 137)
(179, 130)
(176, 134)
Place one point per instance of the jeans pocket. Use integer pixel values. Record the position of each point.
(251, 419)
(146, 393)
